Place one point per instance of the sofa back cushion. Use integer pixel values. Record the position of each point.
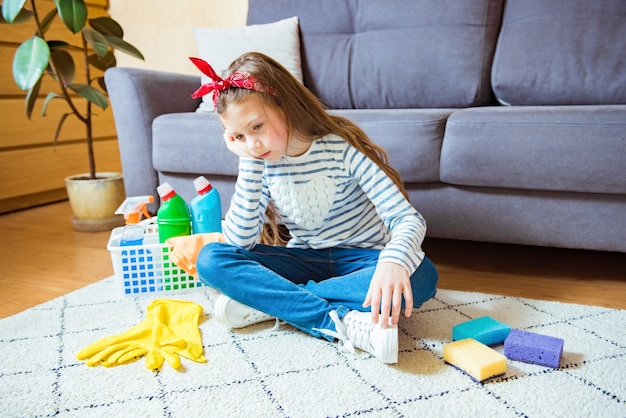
(561, 52)
(373, 54)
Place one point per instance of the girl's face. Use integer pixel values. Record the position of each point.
(259, 131)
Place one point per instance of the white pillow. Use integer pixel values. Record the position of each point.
(219, 47)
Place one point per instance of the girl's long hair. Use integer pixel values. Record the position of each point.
(306, 117)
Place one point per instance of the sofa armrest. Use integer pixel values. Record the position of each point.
(137, 97)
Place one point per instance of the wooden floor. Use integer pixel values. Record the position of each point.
(43, 258)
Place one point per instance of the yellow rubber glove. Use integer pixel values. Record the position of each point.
(175, 332)
(170, 330)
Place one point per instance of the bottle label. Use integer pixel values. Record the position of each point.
(130, 242)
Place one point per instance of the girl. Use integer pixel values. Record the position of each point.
(354, 239)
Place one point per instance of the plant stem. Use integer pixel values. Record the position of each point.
(36, 16)
(88, 125)
(84, 119)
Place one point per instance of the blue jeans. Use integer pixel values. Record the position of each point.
(301, 286)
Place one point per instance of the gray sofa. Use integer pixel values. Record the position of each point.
(506, 120)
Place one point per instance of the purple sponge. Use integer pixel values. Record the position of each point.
(533, 348)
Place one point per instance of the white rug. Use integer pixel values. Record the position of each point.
(258, 372)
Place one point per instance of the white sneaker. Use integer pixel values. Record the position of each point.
(231, 313)
(356, 329)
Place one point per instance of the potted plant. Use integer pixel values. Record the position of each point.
(38, 57)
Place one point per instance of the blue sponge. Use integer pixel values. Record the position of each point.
(484, 329)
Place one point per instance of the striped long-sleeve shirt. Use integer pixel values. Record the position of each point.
(331, 196)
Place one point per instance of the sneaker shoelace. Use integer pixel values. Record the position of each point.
(357, 337)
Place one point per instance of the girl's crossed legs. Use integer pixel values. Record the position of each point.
(301, 286)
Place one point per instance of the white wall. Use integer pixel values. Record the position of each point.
(162, 29)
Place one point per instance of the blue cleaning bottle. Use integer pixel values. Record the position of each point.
(206, 208)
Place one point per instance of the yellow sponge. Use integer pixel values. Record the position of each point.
(474, 358)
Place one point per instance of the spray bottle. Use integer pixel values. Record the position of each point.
(132, 208)
(137, 261)
(206, 208)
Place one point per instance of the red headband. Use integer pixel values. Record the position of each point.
(240, 80)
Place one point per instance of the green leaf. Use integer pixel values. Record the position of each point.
(47, 20)
(124, 46)
(11, 9)
(49, 98)
(58, 45)
(23, 16)
(31, 98)
(101, 83)
(91, 94)
(97, 41)
(63, 65)
(30, 61)
(107, 26)
(59, 126)
(102, 63)
(73, 13)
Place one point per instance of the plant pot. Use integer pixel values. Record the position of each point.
(94, 201)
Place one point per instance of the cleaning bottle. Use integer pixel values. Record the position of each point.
(132, 208)
(206, 208)
(173, 217)
(138, 273)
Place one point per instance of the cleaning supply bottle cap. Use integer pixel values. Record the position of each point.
(133, 207)
(133, 218)
(202, 185)
(166, 191)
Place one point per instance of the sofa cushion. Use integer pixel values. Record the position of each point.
(411, 137)
(413, 148)
(561, 52)
(191, 142)
(220, 46)
(574, 148)
(401, 54)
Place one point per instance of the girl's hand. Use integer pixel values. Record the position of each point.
(239, 148)
(389, 285)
